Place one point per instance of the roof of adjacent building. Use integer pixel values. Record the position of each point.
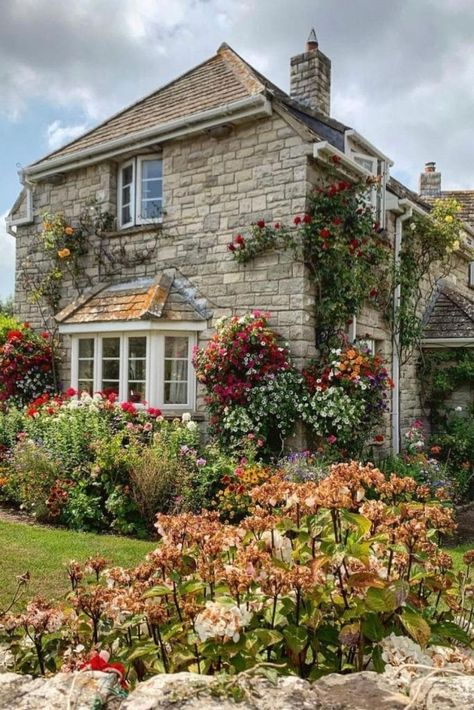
(168, 296)
(466, 200)
(450, 315)
(220, 80)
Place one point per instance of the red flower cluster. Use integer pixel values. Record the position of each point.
(26, 366)
(242, 353)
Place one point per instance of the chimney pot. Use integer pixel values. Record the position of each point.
(430, 167)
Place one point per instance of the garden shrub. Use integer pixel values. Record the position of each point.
(26, 363)
(453, 445)
(320, 577)
(118, 464)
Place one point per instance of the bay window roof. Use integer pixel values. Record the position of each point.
(167, 297)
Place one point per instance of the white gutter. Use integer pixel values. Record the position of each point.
(407, 213)
(252, 106)
(29, 206)
(326, 151)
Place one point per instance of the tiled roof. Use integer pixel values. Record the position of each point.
(220, 80)
(450, 315)
(167, 297)
(400, 190)
(466, 200)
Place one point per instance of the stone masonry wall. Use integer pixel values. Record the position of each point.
(213, 188)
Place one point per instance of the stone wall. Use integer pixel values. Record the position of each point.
(213, 189)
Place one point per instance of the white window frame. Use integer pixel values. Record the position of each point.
(377, 195)
(154, 391)
(136, 191)
(120, 203)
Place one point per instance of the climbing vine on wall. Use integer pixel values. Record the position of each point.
(442, 372)
(342, 246)
(425, 258)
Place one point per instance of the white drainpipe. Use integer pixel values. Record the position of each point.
(408, 213)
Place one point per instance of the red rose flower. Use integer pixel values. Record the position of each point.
(379, 438)
(297, 220)
(325, 233)
(231, 247)
(336, 159)
(261, 223)
(307, 219)
(277, 225)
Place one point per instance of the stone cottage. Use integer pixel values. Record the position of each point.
(178, 174)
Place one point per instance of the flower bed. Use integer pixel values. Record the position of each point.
(311, 582)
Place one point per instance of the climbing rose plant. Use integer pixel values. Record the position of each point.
(251, 384)
(340, 243)
(26, 366)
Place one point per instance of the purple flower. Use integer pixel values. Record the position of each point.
(201, 462)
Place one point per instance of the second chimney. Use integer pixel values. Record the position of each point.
(430, 181)
(311, 77)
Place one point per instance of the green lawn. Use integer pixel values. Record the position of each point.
(43, 551)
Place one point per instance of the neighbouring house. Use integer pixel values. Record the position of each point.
(181, 171)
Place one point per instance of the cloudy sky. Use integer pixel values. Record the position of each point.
(403, 71)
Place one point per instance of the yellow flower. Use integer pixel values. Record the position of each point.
(64, 253)
(456, 245)
(449, 218)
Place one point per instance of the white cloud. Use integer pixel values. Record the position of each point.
(58, 135)
(402, 71)
(7, 260)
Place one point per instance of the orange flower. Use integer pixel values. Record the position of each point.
(64, 253)
(435, 450)
(68, 231)
(351, 354)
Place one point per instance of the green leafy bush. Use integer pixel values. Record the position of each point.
(320, 577)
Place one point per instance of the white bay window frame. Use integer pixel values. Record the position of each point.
(155, 361)
(136, 188)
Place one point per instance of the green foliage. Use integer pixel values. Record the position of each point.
(442, 372)
(455, 440)
(427, 246)
(321, 577)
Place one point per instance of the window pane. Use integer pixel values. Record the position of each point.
(137, 369)
(126, 195)
(86, 369)
(126, 215)
(152, 169)
(110, 387)
(152, 189)
(176, 346)
(136, 347)
(111, 347)
(127, 175)
(86, 347)
(110, 369)
(136, 392)
(176, 393)
(85, 386)
(176, 370)
(151, 209)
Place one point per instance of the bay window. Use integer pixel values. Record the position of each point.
(140, 191)
(147, 367)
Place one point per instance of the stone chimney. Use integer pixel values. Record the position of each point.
(310, 79)
(430, 181)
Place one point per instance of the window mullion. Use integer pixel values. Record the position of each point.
(123, 372)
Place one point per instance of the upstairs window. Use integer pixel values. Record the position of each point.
(140, 191)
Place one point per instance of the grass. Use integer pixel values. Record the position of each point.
(43, 551)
